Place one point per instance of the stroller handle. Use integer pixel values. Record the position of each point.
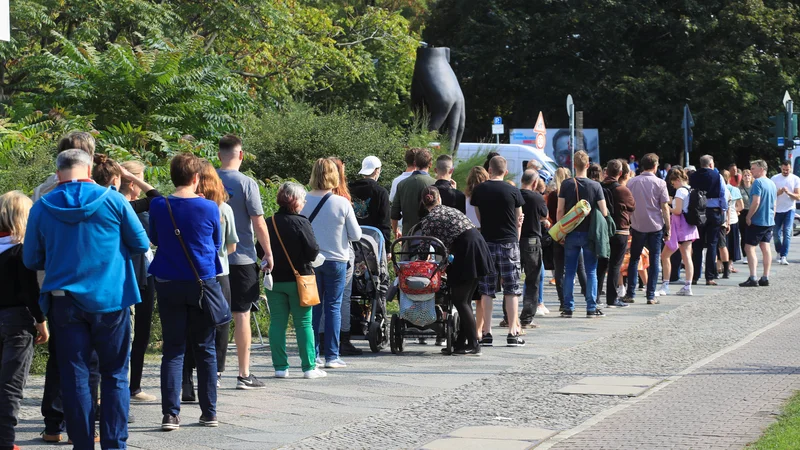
(415, 242)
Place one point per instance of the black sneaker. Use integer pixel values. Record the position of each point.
(617, 304)
(594, 314)
(567, 314)
(487, 340)
(628, 299)
(249, 382)
(751, 282)
(475, 351)
(514, 341)
(170, 422)
(763, 282)
(209, 421)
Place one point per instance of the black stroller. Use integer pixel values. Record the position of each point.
(370, 284)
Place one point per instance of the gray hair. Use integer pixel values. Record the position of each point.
(760, 163)
(529, 177)
(291, 195)
(706, 161)
(73, 158)
(534, 164)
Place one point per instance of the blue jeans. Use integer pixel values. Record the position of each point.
(331, 278)
(709, 235)
(182, 320)
(652, 242)
(576, 243)
(784, 222)
(109, 335)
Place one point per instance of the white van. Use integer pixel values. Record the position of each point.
(517, 156)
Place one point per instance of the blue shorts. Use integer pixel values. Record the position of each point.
(506, 260)
(756, 235)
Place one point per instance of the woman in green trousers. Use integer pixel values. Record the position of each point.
(291, 234)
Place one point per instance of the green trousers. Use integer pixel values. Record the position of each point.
(283, 299)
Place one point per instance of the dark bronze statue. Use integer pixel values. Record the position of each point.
(435, 91)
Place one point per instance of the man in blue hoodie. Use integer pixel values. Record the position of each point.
(83, 235)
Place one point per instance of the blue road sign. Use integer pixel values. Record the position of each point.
(497, 121)
(781, 141)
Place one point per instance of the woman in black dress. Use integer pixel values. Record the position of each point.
(470, 262)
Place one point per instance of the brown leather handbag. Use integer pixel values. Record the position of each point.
(306, 284)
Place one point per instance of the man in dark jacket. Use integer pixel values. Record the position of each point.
(707, 179)
(371, 200)
(451, 196)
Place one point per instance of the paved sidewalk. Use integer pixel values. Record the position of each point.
(725, 404)
(406, 401)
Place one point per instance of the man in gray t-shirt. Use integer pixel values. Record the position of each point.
(245, 200)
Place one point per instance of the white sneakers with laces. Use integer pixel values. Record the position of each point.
(783, 261)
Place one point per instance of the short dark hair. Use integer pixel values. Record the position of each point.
(786, 162)
(410, 155)
(81, 140)
(594, 172)
(183, 168)
(423, 158)
(649, 161)
(614, 168)
(444, 163)
(489, 157)
(229, 142)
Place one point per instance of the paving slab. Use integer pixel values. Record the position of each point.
(500, 432)
(476, 444)
(594, 389)
(619, 381)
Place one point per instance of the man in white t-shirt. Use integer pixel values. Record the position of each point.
(788, 185)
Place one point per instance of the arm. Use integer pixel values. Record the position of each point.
(665, 217)
(33, 255)
(560, 210)
(384, 212)
(309, 242)
(133, 235)
(396, 215)
(520, 216)
(143, 204)
(739, 205)
(601, 205)
(127, 176)
(678, 209)
(755, 202)
(794, 195)
(351, 226)
(260, 229)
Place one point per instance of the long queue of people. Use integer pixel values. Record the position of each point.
(89, 229)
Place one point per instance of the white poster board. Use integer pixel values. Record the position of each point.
(558, 138)
(5, 21)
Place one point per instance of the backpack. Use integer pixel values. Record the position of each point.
(698, 201)
(608, 193)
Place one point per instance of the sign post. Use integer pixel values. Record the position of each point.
(571, 114)
(687, 124)
(5, 21)
(498, 128)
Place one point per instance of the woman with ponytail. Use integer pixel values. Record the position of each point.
(470, 262)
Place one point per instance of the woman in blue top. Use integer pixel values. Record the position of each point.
(198, 220)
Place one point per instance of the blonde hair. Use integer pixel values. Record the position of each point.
(726, 176)
(135, 168)
(14, 209)
(324, 175)
(562, 173)
(477, 175)
(746, 172)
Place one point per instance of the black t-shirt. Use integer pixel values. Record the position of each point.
(451, 197)
(497, 202)
(589, 190)
(534, 209)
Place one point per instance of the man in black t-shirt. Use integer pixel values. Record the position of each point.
(530, 244)
(577, 241)
(451, 196)
(499, 209)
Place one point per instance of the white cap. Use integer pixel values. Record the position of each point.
(369, 164)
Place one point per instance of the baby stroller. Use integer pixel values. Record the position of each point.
(426, 308)
(370, 284)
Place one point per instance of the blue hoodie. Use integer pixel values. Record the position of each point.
(83, 235)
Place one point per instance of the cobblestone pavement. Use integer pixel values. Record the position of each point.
(725, 404)
(406, 401)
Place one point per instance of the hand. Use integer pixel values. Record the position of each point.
(521, 219)
(267, 263)
(454, 184)
(42, 335)
(126, 174)
(547, 223)
(398, 234)
(749, 222)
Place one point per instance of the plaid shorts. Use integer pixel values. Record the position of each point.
(507, 266)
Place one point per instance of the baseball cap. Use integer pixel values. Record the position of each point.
(369, 164)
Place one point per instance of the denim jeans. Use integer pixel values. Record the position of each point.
(709, 235)
(331, 277)
(652, 242)
(784, 223)
(109, 334)
(178, 307)
(577, 243)
(16, 353)
(531, 257)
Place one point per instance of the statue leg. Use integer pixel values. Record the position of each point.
(439, 116)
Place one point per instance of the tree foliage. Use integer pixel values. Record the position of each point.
(631, 66)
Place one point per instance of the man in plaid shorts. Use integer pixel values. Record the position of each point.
(498, 206)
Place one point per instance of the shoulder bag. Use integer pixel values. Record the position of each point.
(215, 307)
(306, 284)
(571, 219)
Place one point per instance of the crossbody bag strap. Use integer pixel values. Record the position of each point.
(319, 206)
(183, 244)
(275, 226)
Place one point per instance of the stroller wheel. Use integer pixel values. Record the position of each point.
(450, 332)
(375, 336)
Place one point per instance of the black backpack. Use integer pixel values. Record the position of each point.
(608, 193)
(698, 201)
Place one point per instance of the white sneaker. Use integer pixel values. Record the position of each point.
(542, 310)
(685, 291)
(783, 261)
(662, 292)
(314, 373)
(282, 373)
(335, 364)
(621, 292)
(320, 361)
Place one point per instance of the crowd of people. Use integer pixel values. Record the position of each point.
(213, 242)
